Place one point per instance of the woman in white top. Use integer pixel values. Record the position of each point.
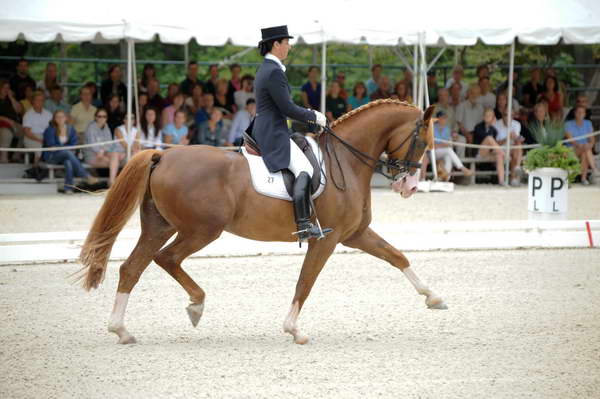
(151, 134)
(247, 91)
(128, 138)
(102, 156)
(516, 154)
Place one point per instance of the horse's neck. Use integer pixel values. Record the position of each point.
(370, 133)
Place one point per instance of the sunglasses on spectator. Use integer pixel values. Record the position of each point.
(101, 116)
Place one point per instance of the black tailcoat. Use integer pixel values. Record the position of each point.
(273, 106)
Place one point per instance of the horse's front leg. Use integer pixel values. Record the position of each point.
(316, 256)
(373, 244)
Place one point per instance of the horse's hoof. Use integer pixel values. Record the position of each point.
(194, 311)
(127, 340)
(301, 339)
(438, 306)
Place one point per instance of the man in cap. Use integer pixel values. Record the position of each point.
(270, 130)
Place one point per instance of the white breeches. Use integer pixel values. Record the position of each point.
(449, 157)
(298, 161)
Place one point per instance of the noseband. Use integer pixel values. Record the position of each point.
(401, 167)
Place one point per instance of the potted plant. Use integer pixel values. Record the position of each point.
(551, 168)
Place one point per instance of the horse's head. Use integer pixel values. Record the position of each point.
(405, 148)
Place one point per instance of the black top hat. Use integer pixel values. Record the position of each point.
(275, 32)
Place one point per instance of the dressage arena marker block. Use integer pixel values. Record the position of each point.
(429, 236)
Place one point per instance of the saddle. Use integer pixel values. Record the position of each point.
(285, 177)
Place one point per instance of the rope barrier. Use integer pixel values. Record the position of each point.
(142, 141)
(526, 146)
(80, 146)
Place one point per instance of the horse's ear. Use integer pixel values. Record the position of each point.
(429, 113)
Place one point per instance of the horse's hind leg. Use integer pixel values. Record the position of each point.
(373, 244)
(155, 232)
(170, 259)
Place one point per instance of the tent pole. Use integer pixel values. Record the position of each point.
(415, 69)
(423, 72)
(129, 97)
(323, 73)
(186, 54)
(509, 110)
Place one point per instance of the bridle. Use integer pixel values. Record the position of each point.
(400, 167)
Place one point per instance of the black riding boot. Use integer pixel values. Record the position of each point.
(306, 230)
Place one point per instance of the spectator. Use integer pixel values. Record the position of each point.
(129, 138)
(222, 99)
(483, 71)
(469, 113)
(432, 87)
(211, 84)
(512, 132)
(384, 89)
(241, 121)
(235, 83)
(443, 104)
(359, 96)
(50, 79)
(155, 100)
(26, 102)
(457, 76)
(402, 92)
(151, 133)
(113, 86)
(83, 113)
(537, 118)
(580, 101)
(502, 104)
(35, 122)
(9, 118)
(176, 132)
(311, 90)
(408, 80)
(191, 79)
(516, 86)
(142, 103)
(59, 134)
(148, 73)
(340, 77)
(204, 113)
(172, 91)
(211, 132)
(168, 114)
(455, 96)
(115, 115)
(106, 155)
(444, 151)
(373, 83)
(335, 106)
(56, 102)
(487, 98)
(583, 146)
(533, 88)
(194, 103)
(21, 80)
(562, 87)
(485, 133)
(553, 97)
(96, 102)
(242, 96)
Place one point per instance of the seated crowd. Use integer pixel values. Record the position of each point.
(216, 112)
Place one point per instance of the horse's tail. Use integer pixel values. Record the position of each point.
(121, 201)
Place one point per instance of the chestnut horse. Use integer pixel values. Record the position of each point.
(200, 191)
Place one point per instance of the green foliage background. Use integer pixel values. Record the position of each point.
(557, 156)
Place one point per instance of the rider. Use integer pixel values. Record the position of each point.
(270, 130)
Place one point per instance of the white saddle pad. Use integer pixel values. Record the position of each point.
(271, 184)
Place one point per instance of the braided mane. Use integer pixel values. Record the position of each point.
(372, 104)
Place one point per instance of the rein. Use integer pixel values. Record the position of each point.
(401, 166)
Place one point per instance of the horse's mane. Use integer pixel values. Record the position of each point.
(372, 104)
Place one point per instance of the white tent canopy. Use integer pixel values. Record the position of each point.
(349, 21)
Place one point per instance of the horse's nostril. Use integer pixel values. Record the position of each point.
(413, 190)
